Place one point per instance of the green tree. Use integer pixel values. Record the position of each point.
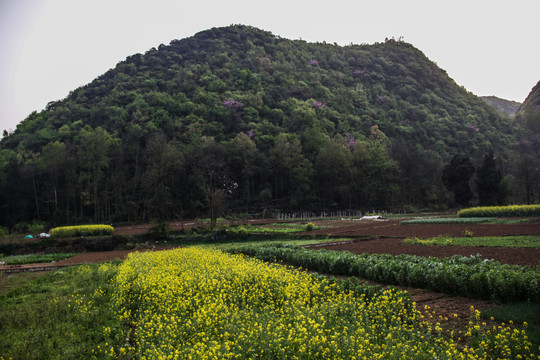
(290, 170)
(53, 160)
(163, 163)
(488, 181)
(456, 176)
(244, 154)
(94, 145)
(333, 173)
(210, 168)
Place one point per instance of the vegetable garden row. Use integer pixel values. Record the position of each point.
(465, 276)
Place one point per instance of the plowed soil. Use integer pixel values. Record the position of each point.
(386, 237)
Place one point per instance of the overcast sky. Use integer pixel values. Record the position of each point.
(51, 47)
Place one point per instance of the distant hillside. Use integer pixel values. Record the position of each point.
(238, 119)
(508, 107)
(528, 122)
(532, 102)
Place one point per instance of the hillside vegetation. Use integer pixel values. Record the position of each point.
(236, 119)
(504, 106)
(528, 164)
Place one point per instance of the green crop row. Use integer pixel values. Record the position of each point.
(466, 276)
(34, 258)
(503, 211)
(462, 220)
(81, 230)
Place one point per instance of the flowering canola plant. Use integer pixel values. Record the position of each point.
(195, 303)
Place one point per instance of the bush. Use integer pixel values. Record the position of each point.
(22, 227)
(502, 211)
(310, 226)
(3, 232)
(36, 227)
(81, 230)
(160, 229)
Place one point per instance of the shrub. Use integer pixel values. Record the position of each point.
(310, 226)
(160, 229)
(22, 227)
(81, 230)
(36, 227)
(503, 211)
(3, 232)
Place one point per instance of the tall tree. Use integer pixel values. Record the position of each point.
(163, 163)
(94, 156)
(210, 167)
(456, 176)
(244, 153)
(290, 169)
(52, 161)
(488, 181)
(333, 169)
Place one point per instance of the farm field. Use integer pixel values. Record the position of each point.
(375, 241)
(387, 238)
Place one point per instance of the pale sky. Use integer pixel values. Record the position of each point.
(51, 47)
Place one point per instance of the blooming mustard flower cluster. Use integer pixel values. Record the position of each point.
(195, 303)
(500, 211)
(81, 230)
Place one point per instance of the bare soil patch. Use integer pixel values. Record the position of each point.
(395, 246)
(392, 228)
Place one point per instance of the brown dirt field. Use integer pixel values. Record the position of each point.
(392, 228)
(387, 238)
(395, 246)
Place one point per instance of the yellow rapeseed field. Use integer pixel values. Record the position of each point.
(197, 303)
(81, 230)
(501, 211)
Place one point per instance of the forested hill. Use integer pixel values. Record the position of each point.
(238, 119)
(279, 82)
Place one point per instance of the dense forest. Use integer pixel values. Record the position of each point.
(237, 120)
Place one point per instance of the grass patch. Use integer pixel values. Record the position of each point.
(518, 313)
(495, 241)
(33, 258)
(275, 241)
(274, 228)
(60, 315)
(456, 220)
(10, 282)
(471, 220)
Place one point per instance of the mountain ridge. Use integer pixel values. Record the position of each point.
(508, 107)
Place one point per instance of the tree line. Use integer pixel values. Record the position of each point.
(147, 176)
